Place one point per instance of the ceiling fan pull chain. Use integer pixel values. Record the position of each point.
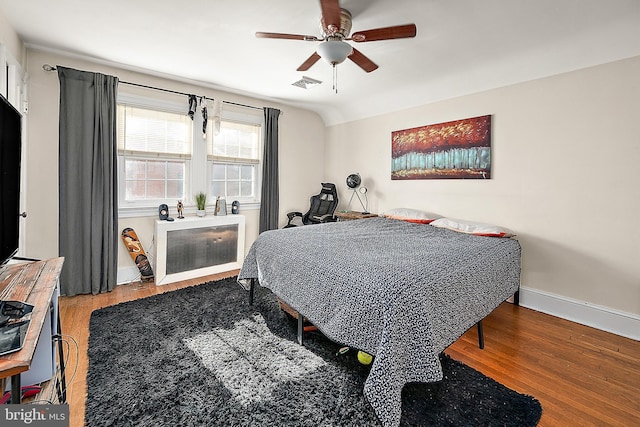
(335, 78)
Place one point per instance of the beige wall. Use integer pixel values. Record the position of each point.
(566, 177)
(301, 154)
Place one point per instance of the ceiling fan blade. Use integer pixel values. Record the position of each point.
(309, 62)
(331, 13)
(396, 32)
(260, 34)
(362, 61)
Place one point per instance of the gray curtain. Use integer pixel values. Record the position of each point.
(270, 196)
(88, 212)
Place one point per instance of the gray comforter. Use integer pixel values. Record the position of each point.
(400, 291)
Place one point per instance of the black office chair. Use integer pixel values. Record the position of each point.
(323, 205)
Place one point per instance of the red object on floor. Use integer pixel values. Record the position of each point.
(26, 391)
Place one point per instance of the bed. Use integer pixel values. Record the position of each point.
(398, 290)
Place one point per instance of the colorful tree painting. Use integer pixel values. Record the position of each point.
(458, 149)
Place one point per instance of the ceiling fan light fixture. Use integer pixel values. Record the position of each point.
(334, 51)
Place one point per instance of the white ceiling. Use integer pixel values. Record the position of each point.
(461, 47)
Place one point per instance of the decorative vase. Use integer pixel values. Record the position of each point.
(201, 212)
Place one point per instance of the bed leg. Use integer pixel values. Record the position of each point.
(300, 328)
(480, 335)
(251, 287)
(516, 297)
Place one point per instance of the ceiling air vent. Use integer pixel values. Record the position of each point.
(306, 82)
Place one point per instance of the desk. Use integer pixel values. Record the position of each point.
(35, 283)
(351, 215)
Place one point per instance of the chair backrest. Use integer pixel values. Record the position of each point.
(323, 204)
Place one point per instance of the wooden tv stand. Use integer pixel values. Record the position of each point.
(34, 283)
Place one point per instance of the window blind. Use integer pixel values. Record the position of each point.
(236, 143)
(150, 133)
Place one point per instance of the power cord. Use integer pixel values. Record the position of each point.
(61, 382)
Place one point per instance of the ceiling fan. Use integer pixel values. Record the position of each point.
(336, 26)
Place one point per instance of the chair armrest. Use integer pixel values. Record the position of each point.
(292, 215)
(323, 218)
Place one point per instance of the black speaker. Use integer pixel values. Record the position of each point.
(163, 212)
(235, 207)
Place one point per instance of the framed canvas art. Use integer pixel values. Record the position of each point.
(460, 149)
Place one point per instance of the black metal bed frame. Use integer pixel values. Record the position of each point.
(300, 317)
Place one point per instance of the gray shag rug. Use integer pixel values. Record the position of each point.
(201, 356)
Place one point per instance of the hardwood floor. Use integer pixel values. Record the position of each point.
(581, 376)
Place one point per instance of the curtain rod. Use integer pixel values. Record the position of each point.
(242, 105)
(47, 67)
(156, 88)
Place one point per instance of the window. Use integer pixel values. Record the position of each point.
(153, 179)
(154, 149)
(234, 161)
(164, 158)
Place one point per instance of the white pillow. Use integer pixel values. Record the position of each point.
(472, 227)
(411, 215)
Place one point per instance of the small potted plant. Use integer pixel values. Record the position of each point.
(201, 202)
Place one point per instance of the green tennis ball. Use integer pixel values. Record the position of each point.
(364, 358)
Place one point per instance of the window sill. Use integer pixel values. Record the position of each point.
(144, 211)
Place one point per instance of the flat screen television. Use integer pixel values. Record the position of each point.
(10, 156)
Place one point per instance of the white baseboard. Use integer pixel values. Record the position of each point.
(596, 316)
